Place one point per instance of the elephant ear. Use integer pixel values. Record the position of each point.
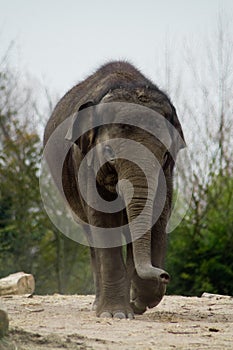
(178, 140)
(81, 130)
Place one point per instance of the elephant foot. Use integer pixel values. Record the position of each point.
(140, 306)
(145, 294)
(115, 311)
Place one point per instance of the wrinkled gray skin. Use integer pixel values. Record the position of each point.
(124, 286)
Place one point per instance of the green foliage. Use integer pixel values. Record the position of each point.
(200, 255)
(62, 266)
(28, 240)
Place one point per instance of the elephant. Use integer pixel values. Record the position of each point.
(128, 279)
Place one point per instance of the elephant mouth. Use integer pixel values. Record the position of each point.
(107, 177)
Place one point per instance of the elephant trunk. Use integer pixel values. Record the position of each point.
(140, 212)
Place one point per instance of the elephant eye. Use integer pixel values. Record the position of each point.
(165, 158)
(109, 153)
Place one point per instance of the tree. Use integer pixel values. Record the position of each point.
(200, 255)
(28, 240)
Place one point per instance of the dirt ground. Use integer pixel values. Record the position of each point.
(58, 321)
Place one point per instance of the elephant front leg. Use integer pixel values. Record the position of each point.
(114, 290)
(110, 271)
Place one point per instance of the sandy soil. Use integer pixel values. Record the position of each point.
(57, 321)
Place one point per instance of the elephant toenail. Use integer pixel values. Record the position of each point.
(120, 315)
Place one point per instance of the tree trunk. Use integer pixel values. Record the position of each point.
(17, 283)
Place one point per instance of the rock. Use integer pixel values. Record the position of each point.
(217, 296)
(4, 321)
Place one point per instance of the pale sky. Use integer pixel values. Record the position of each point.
(61, 42)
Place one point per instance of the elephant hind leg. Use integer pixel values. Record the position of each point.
(96, 276)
